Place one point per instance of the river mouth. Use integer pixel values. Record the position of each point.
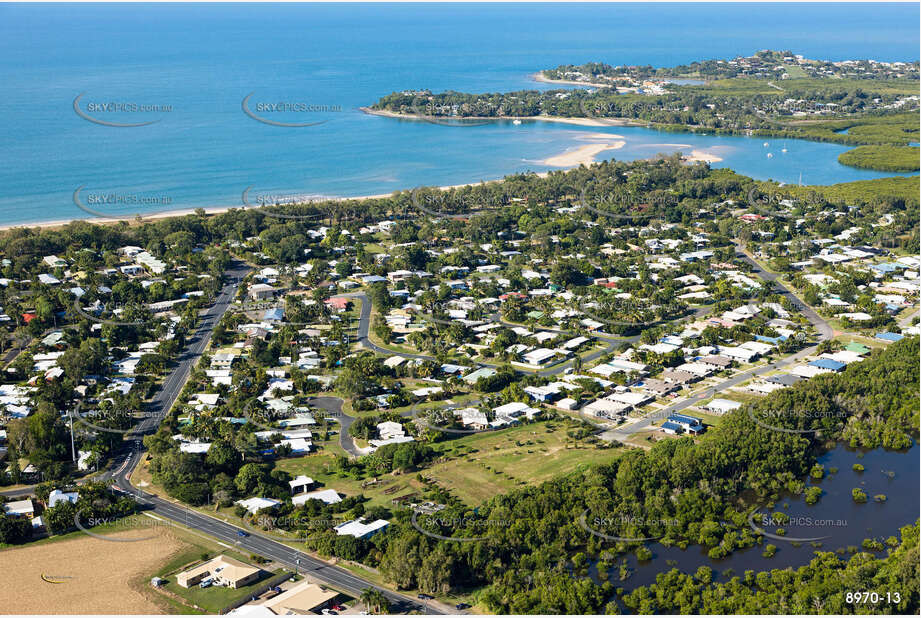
(836, 519)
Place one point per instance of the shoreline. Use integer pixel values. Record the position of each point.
(582, 155)
(539, 77)
(698, 156)
(585, 122)
(212, 210)
(567, 160)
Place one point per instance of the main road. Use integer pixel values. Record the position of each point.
(228, 534)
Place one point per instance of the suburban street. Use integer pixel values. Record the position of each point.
(247, 541)
(364, 324)
(168, 392)
(824, 330)
(333, 408)
(229, 535)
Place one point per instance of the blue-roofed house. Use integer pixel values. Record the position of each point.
(890, 337)
(274, 315)
(829, 364)
(888, 267)
(670, 427)
(689, 424)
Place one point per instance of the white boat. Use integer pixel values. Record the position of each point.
(516, 121)
(783, 150)
(770, 155)
(765, 144)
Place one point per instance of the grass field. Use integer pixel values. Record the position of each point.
(87, 575)
(480, 466)
(474, 467)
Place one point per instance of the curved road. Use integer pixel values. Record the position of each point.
(364, 322)
(333, 408)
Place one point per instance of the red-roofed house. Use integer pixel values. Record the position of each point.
(338, 303)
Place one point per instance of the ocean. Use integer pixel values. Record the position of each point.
(187, 68)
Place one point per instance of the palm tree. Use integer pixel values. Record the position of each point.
(374, 598)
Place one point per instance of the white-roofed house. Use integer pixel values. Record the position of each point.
(301, 483)
(473, 418)
(721, 406)
(256, 504)
(328, 496)
(360, 530)
(605, 408)
(57, 496)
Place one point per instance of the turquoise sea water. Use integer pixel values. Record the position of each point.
(198, 62)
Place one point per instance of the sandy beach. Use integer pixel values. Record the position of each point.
(702, 155)
(582, 155)
(539, 77)
(210, 210)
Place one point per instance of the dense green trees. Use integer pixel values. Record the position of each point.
(693, 487)
(885, 158)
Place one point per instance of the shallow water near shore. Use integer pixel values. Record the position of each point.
(196, 64)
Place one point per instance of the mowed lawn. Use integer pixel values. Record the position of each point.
(480, 466)
(213, 598)
(322, 468)
(474, 467)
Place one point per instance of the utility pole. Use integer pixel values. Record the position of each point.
(73, 451)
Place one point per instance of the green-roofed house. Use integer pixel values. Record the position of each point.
(857, 348)
(482, 372)
(535, 315)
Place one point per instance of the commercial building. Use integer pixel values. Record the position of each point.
(303, 598)
(222, 570)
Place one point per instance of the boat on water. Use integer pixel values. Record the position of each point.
(770, 155)
(516, 121)
(783, 150)
(766, 144)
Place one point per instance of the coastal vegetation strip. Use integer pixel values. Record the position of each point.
(885, 158)
(866, 104)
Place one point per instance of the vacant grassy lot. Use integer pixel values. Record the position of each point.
(87, 575)
(480, 466)
(322, 468)
(474, 467)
